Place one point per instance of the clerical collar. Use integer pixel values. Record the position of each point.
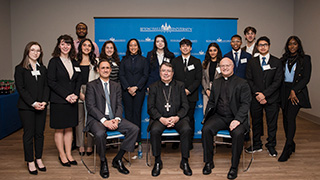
(166, 84)
(228, 78)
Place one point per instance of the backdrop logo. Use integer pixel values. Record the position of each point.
(165, 28)
(219, 40)
(112, 39)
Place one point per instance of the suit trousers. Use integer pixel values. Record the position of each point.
(133, 108)
(125, 127)
(190, 114)
(272, 112)
(211, 127)
(80, 127)
(182, 127)
(33, 122)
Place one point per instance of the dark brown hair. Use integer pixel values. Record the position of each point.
(25, 59)
(67, 39)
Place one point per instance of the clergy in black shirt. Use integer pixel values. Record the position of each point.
(227, 108)
(168, 107)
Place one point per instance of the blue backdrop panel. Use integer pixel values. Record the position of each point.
(201, 32)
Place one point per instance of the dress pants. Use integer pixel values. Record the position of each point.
(125, 127)
(183, 129)
(33, 122)
(190, 114)
(272, 112)
(133, 108)
(211, 127)
(80, 127)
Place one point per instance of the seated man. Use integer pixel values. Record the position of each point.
(227, 108)
(105, 113)
(168, 107)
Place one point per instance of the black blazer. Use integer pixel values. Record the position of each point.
(269, 81)
(239, 103)
(134, 77)
(241, 69)
(30, 89)
(301, 79)
(96, 100)
(191, 79)
(156, 100)
(59, 82)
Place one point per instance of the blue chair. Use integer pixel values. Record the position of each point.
(165, 133)
(226, 134)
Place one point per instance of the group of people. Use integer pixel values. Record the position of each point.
(79, 81)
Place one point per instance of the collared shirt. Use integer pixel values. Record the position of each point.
(160, 57)
(250, 49)
(187, 58)
(96, 48)
(68, 65)
(267, 58)
(234, 56)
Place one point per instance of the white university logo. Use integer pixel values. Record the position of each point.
(165, 28)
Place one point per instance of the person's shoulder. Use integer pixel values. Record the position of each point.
(246, 54)
(228, 54)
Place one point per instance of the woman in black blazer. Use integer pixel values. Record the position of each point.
(31, 82)
(159, 54)
(133, 74)
(294, 91)
(64, 80)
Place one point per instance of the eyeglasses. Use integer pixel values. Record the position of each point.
(263, 45)
(226, 66)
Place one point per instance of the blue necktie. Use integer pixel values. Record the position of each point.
(236, 58)
(263, 62)
(108, 100)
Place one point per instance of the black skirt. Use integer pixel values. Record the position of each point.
(63, 115)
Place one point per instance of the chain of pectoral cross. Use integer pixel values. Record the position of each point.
(167, 105)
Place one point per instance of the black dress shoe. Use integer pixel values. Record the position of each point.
(67, 164)
(89, 153)
(74, 162)
(40, 169)
(285, 155)
(175, 145)
(156, 169)
(207, 168)
(120, 166)
(104, 170)
(272, 151)
(233, 173)
(35, 172)
(186, 169)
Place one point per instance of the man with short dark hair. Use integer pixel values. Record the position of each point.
(264, 75)
(188, 70)
(250, 35)
(227, 108)
(82, 31)
(168, 107)
(103, 102)
(240, 58)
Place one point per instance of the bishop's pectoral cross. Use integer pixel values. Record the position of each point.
(167, 106)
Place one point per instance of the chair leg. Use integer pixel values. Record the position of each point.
(251, 160)
(94, 159)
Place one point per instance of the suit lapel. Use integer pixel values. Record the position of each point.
(64, 68)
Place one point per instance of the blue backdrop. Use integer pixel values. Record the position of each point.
(201, 32)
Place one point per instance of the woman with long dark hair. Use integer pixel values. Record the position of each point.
(294, 91)
(109, 52)
(159, 54)
(133, 74)
(64, 80)
(88, 62)
(211, 70)
(31, 83)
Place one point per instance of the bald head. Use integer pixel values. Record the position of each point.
(226, 67)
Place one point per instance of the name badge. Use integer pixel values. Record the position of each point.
(191, 67)
(266, 67)
(114, 64)
(244, 60)
(218, 70)
(35, 73)
(77, 69)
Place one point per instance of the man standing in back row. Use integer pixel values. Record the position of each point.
(188, 70)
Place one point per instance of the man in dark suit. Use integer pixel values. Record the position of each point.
(227, 108)
(168, 107)
(103, 102)
(240, 58)
(264, 75)
(188, 70)
(250, 47)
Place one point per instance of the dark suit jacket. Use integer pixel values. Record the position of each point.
(240, 99)
(191, 79)
(156, 101)
(96, 100)
(241, 69)
(134, 77)
(301, 79)
(268, 82)
(30, 89)
(59, 82)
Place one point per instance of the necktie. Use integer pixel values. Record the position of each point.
(263, 62)
(108, 100)
(236, 58)
(185, 65)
